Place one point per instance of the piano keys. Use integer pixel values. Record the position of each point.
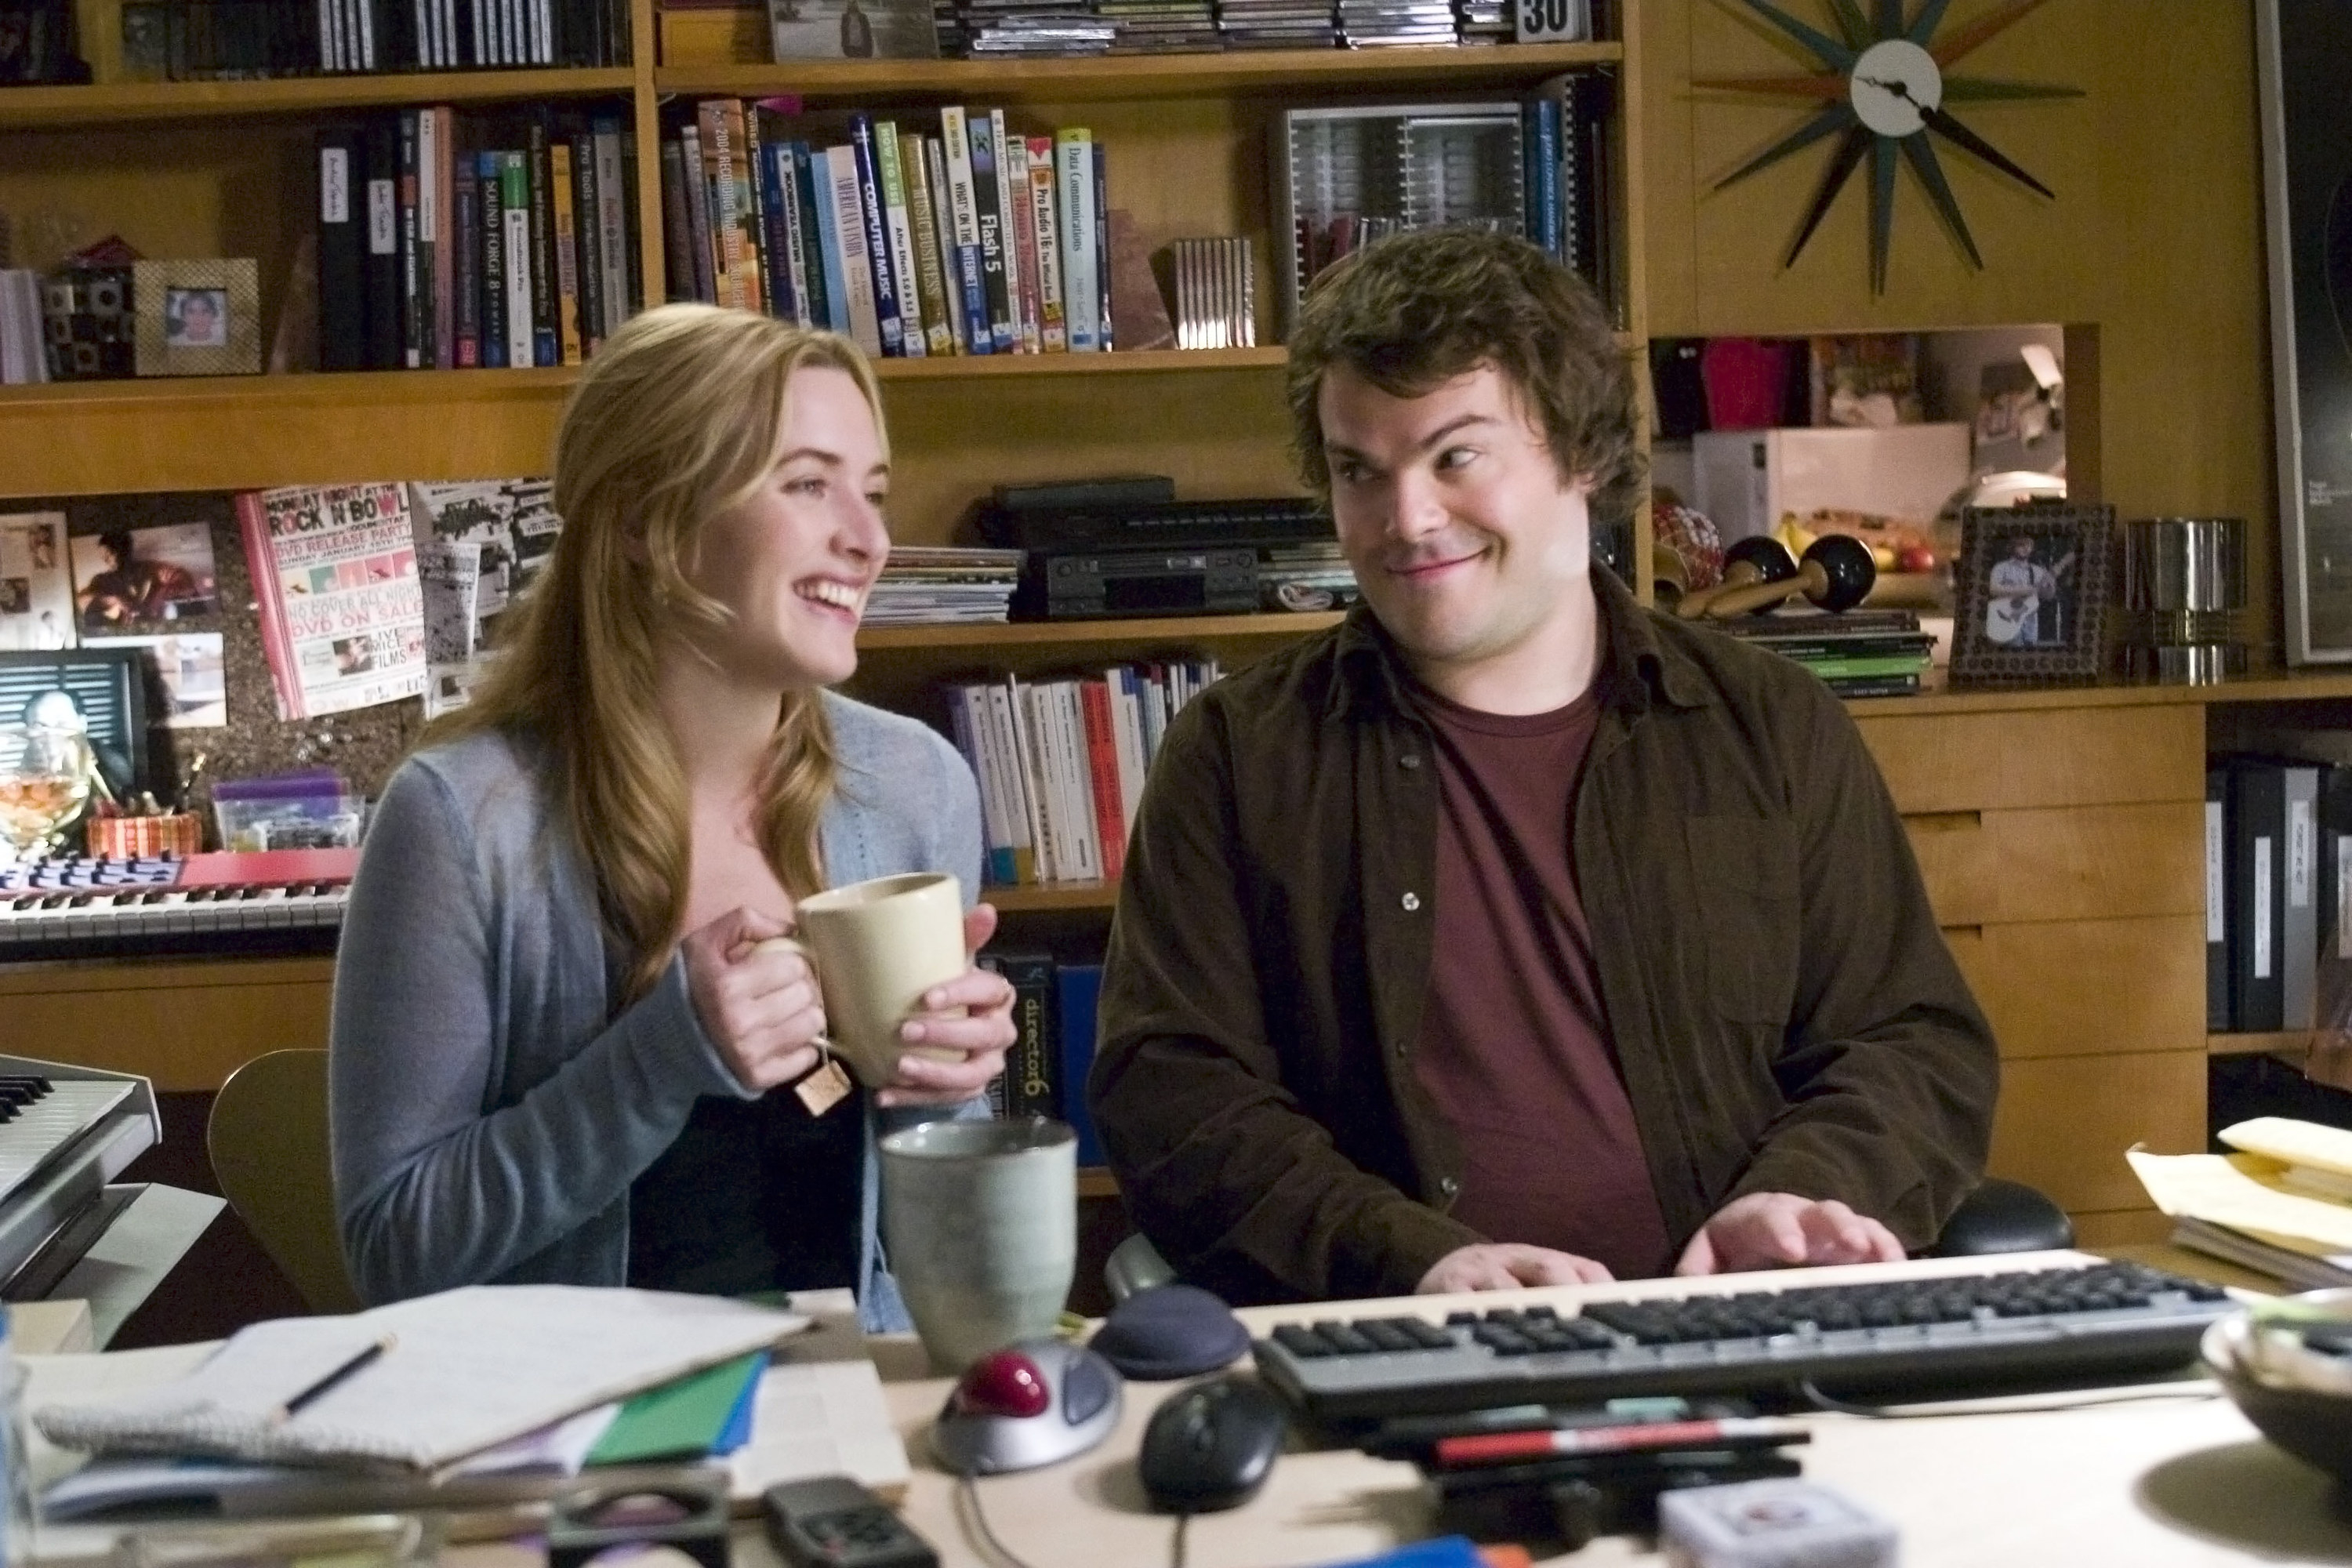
(276, 902)
(68, 1132)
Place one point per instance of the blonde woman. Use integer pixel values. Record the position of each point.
(556, 1055)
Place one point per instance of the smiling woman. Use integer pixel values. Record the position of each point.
(555, 1028)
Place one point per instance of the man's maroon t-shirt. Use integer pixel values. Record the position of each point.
(1514, 1046)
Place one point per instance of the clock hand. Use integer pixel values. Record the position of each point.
(1888, 84)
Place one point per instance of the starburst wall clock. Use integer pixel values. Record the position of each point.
(1883, 93)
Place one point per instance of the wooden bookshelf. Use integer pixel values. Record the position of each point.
(1008, 635)
(1287, 74)
(126, 103)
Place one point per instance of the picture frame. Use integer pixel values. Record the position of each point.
(198, 318)
(2029, 594)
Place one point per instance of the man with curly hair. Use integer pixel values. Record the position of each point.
(1508, 932)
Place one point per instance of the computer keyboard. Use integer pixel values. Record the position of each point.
(1885, 1337)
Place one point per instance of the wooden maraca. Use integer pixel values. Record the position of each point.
(1759, 558)
(1836, 573)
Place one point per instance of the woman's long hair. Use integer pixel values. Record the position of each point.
(677, 420)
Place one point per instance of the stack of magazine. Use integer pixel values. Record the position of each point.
(2281, 1205)
(929, 585)
(1857, 653)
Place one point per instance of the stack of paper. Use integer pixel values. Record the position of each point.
(2281, 1205)
(822, 1412)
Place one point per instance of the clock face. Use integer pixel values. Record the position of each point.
(1893, 86)
(1880, 86)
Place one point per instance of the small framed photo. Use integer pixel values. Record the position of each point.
(198, 318)
(2031, 591)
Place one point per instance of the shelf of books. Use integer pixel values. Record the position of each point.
(1000, 636)
(34, 108)
(1284, 73)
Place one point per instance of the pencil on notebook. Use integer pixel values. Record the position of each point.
(317, 1391)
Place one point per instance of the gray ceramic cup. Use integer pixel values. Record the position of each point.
(980, 1221)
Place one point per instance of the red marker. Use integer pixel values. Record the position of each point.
(1501, 1447)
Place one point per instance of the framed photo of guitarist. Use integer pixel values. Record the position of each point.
(2030, 590)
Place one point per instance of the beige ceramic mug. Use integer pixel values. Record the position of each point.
(876, 946)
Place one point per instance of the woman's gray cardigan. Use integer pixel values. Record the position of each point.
(489, 1114)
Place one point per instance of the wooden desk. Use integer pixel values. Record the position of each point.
(2154, 1485)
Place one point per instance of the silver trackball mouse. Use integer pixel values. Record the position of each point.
(1033, 1402)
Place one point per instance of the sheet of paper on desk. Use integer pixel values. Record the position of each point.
(470, 1368)
(2237, 1191)
(820, 1419)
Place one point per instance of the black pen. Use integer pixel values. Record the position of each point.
(311, 1394)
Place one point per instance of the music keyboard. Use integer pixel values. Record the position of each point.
(65, 1132)
(282, 902)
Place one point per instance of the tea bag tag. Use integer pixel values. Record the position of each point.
(825, 1087)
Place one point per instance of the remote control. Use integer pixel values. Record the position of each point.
(834, 1521)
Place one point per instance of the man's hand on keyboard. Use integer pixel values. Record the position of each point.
(1782, 1230)
(1506, 1266)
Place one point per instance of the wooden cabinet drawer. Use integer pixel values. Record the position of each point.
(2065, 863)
(185, 1025)
(2059, 756)
(2079, 988)
(2063, 1122)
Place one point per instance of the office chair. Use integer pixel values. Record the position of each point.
(268, 1140)
(1998, 1216)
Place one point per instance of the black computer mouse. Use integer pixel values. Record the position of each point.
(1211, 1445)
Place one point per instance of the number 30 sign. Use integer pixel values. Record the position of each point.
(1551, 21)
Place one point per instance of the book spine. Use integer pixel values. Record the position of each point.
(964, 725)
(935, 171)
(381, 266)
(413, 295)
(898, 227)
(749, 264)
(2299, 898)
(1076, 779)
(824, 290)
(1126, 733)
(342, 233)
(872, 229)
(567, 251)
(963, 214)
(781, 214)
(2257, 815)
(545, 347)
(514, 173)
(719, 180)
(1032, 1068)
(1081, 989)
(1053, 332)
(818, 166)
(493, 262)
(931, 277)
(677, 228)
(1008, 177)
(432, 194)
(467, 196)
(1073, 170)
(1024, 249)
(1106, 330)
(1013, 777)
(1029, 743)
(445, 235)
(592, 271)
(701, 238)
(612, 223)
(1102, 776)
(851, 239)
(988, 211)
(2218, 1017)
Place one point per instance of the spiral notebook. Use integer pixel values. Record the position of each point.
(467, 1369)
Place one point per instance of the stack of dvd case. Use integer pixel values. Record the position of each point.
(1161, 26)
(1277, 24)
(1372, 24)
(1483, 21)
(996, 29)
